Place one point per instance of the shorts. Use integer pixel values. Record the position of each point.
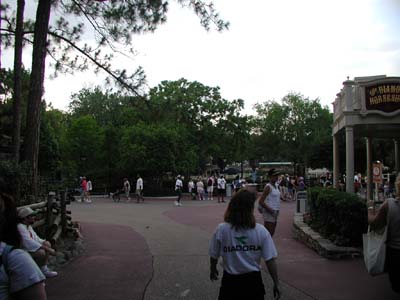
(139, 192)
(221, 192)
(242, 286)
(271, 218)
(210, 189)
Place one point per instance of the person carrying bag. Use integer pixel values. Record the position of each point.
(387, 250)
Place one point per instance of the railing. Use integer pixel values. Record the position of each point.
(53, 218)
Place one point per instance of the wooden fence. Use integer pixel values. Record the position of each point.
(53, 219)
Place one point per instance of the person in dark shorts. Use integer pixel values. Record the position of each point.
(221, 185)
(242, 243)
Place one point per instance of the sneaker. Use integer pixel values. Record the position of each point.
(88, 201)
(79, 200)
(176, 203)
(179, 204)
(49, 274)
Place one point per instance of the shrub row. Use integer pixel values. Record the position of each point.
(341, 217)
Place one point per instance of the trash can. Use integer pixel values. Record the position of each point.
(302, 202)
(229, 190)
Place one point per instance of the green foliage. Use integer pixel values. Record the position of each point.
(214, 124)
(338, 216)
(297, 130)
(13, 176)
(6, 108)
(85, 143)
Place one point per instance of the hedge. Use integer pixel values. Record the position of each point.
(339, 216)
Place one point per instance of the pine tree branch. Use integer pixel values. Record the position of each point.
(98, 64)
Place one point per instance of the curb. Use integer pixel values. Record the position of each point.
(322, 246)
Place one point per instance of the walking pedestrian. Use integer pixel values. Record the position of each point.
(139, 189)
(178, 189)
(389, 215)
(269, 202)
(237, 184)
(210, 187)
(200, 189)
(221, 184)
(89, 187)
(242, 243)
(127, 189)
(83, 189)
(191, 189)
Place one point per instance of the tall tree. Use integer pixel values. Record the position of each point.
(112, 22)
(36, 89)
(19, 27)
(298, 129)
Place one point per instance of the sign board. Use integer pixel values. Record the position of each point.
(377, 173)
(383, 97)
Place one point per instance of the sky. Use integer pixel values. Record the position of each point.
(272, 48)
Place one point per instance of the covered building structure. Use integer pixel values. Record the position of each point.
(366, 107)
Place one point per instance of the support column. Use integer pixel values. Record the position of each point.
(396, 156)
(368, 142)
(349, 159)
(336, 171)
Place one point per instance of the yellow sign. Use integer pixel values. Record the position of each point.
(383, 97)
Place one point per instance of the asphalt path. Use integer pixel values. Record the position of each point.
(154, 250)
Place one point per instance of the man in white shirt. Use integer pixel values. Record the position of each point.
(139, 189)
(221, 183)
(38, 248)
(178, 189)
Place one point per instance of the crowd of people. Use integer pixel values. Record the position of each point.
(239, 241)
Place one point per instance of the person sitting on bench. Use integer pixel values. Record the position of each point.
(39, 249)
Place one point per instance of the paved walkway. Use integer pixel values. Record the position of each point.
(156, 251)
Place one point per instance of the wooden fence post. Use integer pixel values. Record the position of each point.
(49, 213)
(63, 207)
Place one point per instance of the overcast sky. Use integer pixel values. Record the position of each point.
(271, 49)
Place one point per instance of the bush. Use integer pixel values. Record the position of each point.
(338, 216)
(15, 180)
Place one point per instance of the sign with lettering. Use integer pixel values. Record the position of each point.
(377, 173)
(384, 97)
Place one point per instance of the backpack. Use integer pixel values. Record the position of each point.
(209, 182)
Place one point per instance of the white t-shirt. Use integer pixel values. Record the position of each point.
(89, 185)
(242, 250)
(139, 184)
(23, 272)
(221, 183)
(127, 186)
(31, 242)
(178, 184)
(274, 197)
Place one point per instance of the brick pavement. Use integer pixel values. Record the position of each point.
(157, 251)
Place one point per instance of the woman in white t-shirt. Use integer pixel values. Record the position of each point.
(20, 277)
(269, 202)
(242, 243)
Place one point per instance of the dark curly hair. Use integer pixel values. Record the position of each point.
(8, 221)
(240, 211)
